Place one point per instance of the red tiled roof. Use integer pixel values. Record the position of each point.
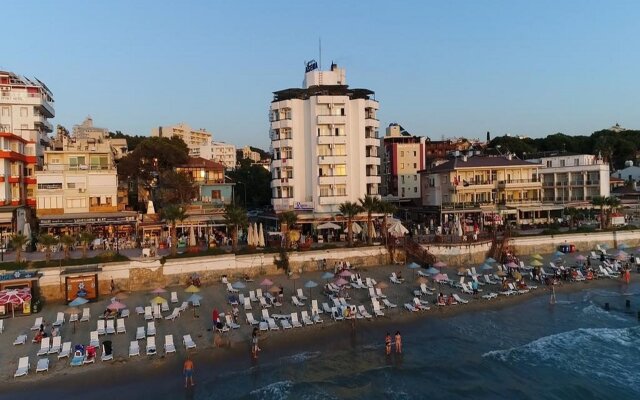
(199, 162)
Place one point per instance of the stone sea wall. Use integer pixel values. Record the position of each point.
(582, 241)
(459, 254)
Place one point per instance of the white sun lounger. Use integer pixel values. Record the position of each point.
(326, 308)
(140, 334)
(56, 345)
(104, 356)
(59, 319)
(21, 339)
(140, 310)
(294, 320)
(230, 322)
(66, 350)
(73, 317)
(252, 296)
(376, 309)
(169, 347)
(380, 294)
(124, 313)
(231, 289)
(247, 303)
(134, 348)
(151, 346)
(157, 311)
(120, 328)
(110, 329)
(285, 324)
(459, 299)
(93, 339)
(490, 295)
(174, 314)
(164, 307)
(363, 311)
(147, 313)
(23, 367)
(387, 303)
(296, 302)
(394, 279)
(315, 317)
(101, 327)
(151, 329)
(188, 342)
(45, 345)
(251, 320)
(174, 297)
(43, 365)
(184, 306)
(301, 295)
(36, 324)
(305, 318)
(419, 305)
(336, 314)
(263, 302)
(410, 307)
(86, 315)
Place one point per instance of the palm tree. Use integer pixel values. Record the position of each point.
(86, 238)
(572, 212)
(613, 203)
(385, 208)
(173, 213)
(600, 201)
(288, 220)
(67, 241)
(235, 217)
(47, 241)
(369, 204)
(349, 210)
(17, 241)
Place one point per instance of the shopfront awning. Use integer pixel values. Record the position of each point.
(82, 219)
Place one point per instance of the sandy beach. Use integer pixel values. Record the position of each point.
(235, 350)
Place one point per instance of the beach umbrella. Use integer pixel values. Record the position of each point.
(486, 267)
(397, 230)
(158, 291)
(512, 265)
(421, 280)
(194, 298)
(414, 265)
(14, 297)
(78, 301)
(490, 260)
(309, 285)
(345, 273)
(158, 300)
(116, 305)
(440, 278)
(192, 289)
(340, 282)
(580, 257)
(623, 246)
(558, 254)
(440, 264)
(432, 271)
(327, 275)
(294, 278)
(261, 236)
(192, 237)
(240, 285)
(536, 263)
(622, 256)
(266, 282)
(274, 289)
(121, 296)
(328, 225)
(538, 256)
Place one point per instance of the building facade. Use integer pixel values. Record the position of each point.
(249, 154)
(198, 141)
(209, 177)
(93, 134)
(573, 179)
(402, 157)
(325, 144)
(631, 173)
(224, 153)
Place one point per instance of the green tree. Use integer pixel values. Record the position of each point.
(18, 241)
(86, 238)
(173, 213)
(385, 208)
(176, 188)
(613, 203)
(601, 202)
(47, 241)
(254, 181)
(369, 204)
(235, 217)
(288, 220)
(572, 212)
(67, 241)
(349, 210)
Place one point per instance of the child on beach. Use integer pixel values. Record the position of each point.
(387, 343)
(398, 342)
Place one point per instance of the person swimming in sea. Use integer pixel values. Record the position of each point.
(398, 342)
(387, 343)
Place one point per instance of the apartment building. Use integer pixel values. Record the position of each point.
(249, 154)
(93, 134)
(572, 179)
(325, 143)
(224, 153)
(402, 157)
(198, 141)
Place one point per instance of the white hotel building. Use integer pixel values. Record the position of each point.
(325, 144)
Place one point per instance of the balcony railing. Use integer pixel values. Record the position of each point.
(510, 181)
(52, 168)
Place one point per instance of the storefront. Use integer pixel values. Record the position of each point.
(18, 284)
(105, 226)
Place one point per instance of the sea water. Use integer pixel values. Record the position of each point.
(572, 349)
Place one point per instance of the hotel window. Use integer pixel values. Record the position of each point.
(339, 150)
(324, 150)
(549, 164)
(74, 162)
(415, 153)
(5, 111)
(325, 191)
(415, 189)
(341, 190)
(4, 128)
(99, 162)
(402, 154)
(340, 170)
(562, 163)
(216, 195)
(71, 185)
(576, 162)
(415, 165)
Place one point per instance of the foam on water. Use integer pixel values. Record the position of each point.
(275, 390)
(300, 357)
(597, 311)
(610, 354)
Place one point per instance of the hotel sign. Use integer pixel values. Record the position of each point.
(86, 221)
(300, 205)
(311, 65)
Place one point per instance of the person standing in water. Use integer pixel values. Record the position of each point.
(254, 343)
(398, 342)
(387, 343)
(187, 371)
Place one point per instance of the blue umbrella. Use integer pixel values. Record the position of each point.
(432, 271)
(622, 246)
(238, 285)
(486, 267)
(490, 260)
(327, 275)
(414, 265)
(78, 301)
(194, 298)
(559, 254)
(310, 284)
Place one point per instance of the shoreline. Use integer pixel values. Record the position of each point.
(237, 357)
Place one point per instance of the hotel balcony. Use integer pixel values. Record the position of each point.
(285, 203)
(374, 179)
(281, 163)
(372, 160)
(282, 142)
(332, 180)
(329, 139)
(326, 200)
(42, 123)
(283, 123)
(34, 99)
(332, 159)
(282, 182)
(60, 168)
(520, 184)
(371, 121)
(332, 119)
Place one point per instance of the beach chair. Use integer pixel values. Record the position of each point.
(363, 311)
(460, 299)
(516, 290)
(86, 315)
(380, 294)
(164, 307)
(490, 296)
(93, 338)
(174, 314)
(169, 347)
(151, 329)
(66, 350)
(336, 314)
(106, 353)
(411, 307)
(387, 303)
(157, 313)
(188, 342)
(488, 280)
(231, 289)
(140, 334)
(151, 346)
(101, 327)
(184, 306)
(174, 297)
(372, 293)
(252, 296)
(376, 309)
(285, 324)
(315, 317)
(423, 274)
(120, 328)
(90, 355)
(147, 313)
(465, 288)
(36, 324)
(73, 317)
(23, 367)
(251, 320)
(424, 290)
(419, 305)
(59, 319)
(294, 320)
(305, 318)
(579, 277)
(296, 302)
(301, 295)
(56, 345)
(263, 303)
(326, 308)
(314, 307)
(43, 365)
(507, 292)
(21, 339)
(110, 329)
(134, 348)
(223, 328)
(124, 313)
(612, 273)
(259, 293)
(140, 310)
(230, 322)
(45, 346)
(394, 279)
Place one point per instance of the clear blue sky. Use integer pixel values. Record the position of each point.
(440, 68)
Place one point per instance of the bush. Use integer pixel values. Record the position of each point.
(99, 259)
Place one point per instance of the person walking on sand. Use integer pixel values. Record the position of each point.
(398, 342)
(387, 343)
(187, 371)
(254, 343)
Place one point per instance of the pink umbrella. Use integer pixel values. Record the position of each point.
(266, 282)
(341, 282)
(116, 305)
(159, 291)
(512, 265)
(440, 277)
(580, 257)
(14, 297)
(345, 273)
(440, 264)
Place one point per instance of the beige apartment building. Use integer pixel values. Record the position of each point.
(198, 141)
